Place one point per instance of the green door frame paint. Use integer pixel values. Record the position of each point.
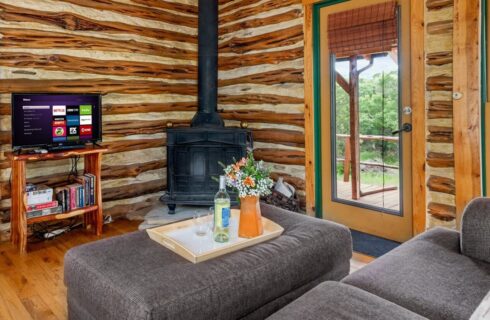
(484, 93)
(317, 112)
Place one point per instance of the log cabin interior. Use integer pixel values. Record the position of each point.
(362, 129)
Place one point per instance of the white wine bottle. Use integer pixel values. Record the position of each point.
(221, 232)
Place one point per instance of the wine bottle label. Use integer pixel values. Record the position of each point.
(225, 215)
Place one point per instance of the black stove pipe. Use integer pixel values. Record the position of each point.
(207, 114)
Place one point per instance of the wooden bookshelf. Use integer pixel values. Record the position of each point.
(92, 215)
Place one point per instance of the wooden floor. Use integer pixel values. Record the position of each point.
(31, 286)
(387, 199)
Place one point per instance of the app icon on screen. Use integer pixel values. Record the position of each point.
(73, 120)
(59, 110)
(84, 120)
(73, 110)
(59, 131)
(85, 109)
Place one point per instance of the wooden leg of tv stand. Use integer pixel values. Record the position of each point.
(93, 165)
(18, 227)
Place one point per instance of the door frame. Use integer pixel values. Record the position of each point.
(313, 109)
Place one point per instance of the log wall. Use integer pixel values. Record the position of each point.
(261, 66)
(141, 54)
(439, 105)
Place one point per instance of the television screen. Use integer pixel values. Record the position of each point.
(55, 120)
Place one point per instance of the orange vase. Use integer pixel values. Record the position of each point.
(250, 217)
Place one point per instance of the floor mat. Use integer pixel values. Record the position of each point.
(371, 245)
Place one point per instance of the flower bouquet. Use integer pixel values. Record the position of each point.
(251, 179)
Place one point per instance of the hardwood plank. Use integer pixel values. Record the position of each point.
(102, 86)
(61, 62)
(466, 111)
(76, 22)
(37, 39)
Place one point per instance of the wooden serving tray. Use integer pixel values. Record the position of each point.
(180, 238)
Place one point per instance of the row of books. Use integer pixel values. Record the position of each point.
(43, 200)
(77, 195)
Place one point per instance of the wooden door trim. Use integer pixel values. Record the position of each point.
(418, 116)
(466, 111)
(417, 48)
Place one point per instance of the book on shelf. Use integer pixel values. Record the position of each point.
(44, 212)
(77, 195)
(38, 194)
(41, 206)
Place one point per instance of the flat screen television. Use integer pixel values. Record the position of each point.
(55, 121)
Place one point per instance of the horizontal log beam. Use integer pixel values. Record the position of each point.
(102, 86)
(66, 63)
(439, 4)
(76, 22)
(137, 11)
(135, 190)
(440, 27)
(263, 116)
(284, 137)
(125, 128)
(440, 109)
(169, 5)
(257, 23)
(138, 208)
(280, 156)
(37, 39)
(254, 59)
(288, 75)
(275, 39)
(440, 134)
(440, 58)
(252, 98)
(441, 184)
(441, 211)
(130, 145)
(250, 11)
(440, 160)
(128, 108)
(440, 83)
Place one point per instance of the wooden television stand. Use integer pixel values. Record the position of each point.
(92, 214)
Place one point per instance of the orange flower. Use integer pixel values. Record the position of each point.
(232, 176)
(249, 182)
(236, 167)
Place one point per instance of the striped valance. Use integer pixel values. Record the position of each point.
(365, 30)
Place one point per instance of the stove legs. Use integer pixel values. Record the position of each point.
(171, 208)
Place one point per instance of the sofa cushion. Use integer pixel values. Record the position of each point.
(337, 301)
(475, 229)
(133, 277)
(429, 276)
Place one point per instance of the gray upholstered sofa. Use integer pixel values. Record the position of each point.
(133, 277)
(440, 274)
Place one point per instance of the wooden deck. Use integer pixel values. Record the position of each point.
(388, 199)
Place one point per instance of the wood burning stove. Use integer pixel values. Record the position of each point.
(193, 153)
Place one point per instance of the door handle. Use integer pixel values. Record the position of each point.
(407, 127)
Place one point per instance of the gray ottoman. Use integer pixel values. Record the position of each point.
(133, 277)
(338, 301)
